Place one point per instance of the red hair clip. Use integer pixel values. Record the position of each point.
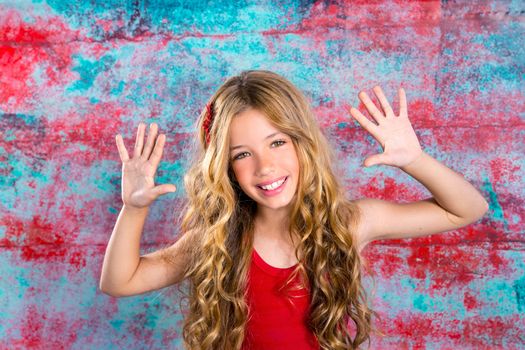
(207, 122)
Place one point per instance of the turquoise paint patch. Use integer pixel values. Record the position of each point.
(494, 205)
(118, 90)
(13, 289)
(126, 52)
(102, 179)
(505, 40)
(425, 303)
(63, 281)
(88, 7)
(112, 210)
(503, 73)
(27, 119)
(233, 16)
(3, 318)
(15, 185)
(386, 66)
(116, 324)
(492, 75)
(9, 135)
(89, 70)
(421, 303)
(152, 316)
(22, 281)
(402, 296)
(171, 173)
(519, 290)
(157, 17)
(500, 297)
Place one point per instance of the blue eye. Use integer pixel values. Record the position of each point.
(281, 142)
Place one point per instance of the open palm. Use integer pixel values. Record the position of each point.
(138, 173)
(394, 133)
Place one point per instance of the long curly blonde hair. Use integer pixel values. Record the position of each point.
(322, 219)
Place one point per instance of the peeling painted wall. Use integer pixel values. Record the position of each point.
(74, 74)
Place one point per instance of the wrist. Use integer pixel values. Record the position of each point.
(414, 163)
(135, 210)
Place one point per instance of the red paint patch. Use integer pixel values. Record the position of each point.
(41, 31)
(388, 265)
(504, 170)
(18, 62)
(456, 267)
(419, 261)
(414, 331)
(87, 130)
(41, 240)
(367, 14)
(471, 302)
(45, 330)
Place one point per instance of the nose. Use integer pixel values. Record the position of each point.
(265, 164)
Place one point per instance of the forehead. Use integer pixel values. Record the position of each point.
(250, 126)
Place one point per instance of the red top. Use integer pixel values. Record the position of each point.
(273, 322)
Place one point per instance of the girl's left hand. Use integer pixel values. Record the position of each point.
(395, 133)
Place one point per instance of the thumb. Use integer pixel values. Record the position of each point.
(373, 160)
(163, 189)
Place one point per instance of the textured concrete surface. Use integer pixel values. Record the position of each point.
(73, 74)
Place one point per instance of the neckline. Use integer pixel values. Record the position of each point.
(269, 268)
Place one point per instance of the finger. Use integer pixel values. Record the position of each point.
(122, 151)
(152, 135)
(363, 121)
(156, 155)
(139, 141)
(384, 102)
(373, 160)
(371, 107)
(402, 103)
(163, 189)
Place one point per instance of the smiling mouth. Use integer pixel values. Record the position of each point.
(281, 185)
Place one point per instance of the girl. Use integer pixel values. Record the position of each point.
(270, 244)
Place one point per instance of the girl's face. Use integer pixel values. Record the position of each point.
(261, 155)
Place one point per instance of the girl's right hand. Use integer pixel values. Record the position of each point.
(138, 186)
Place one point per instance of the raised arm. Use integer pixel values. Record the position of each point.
(123, 250)
(122, 260)
(455, 202)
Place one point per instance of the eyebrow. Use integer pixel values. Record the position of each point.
(266, 138)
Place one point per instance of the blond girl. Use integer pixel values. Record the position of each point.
(270, 244)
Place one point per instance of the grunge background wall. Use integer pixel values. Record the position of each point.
(75, 73)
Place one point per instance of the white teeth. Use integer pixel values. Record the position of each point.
(274, 185)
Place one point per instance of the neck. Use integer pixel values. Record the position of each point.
(272, 227)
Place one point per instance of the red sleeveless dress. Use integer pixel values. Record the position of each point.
(274, 323)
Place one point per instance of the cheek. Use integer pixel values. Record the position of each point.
(239, 172)
(293, 162)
